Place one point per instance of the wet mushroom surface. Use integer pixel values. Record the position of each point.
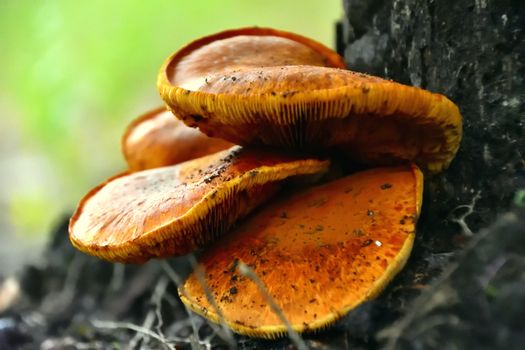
(175, 210)
(320, 252)
(157, 138)
(223, 52)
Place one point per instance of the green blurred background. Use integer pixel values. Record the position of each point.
(73, 74)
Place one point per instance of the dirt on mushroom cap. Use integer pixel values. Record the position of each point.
(240, 52)
(175, 210)
(320, 253)
(245, 47)
(158, 138)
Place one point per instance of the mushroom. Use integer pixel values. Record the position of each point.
(175, 210)
(306, 104)
(157, 139)
(320, 253)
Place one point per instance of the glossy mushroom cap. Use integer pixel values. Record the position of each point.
(175, 210)
(158, 139)
(224, 52)
(320, 253)
(307, 105)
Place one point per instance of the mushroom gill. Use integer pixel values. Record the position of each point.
(307, 104)
(371, 120)
(177, 209)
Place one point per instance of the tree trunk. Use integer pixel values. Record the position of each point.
(472, 51)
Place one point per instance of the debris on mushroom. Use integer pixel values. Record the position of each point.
(306, 105)
(157, 139)
(177, 209)
(223, 53)
(320, 253)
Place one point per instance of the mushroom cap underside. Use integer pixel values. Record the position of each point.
(157, 138)
(177, 209)
(372, 120)
(320, 253)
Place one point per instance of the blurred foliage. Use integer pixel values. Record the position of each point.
(74, 73)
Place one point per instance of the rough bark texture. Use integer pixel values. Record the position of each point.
(463, 285)
(473, 51)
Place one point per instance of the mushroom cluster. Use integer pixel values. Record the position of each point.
(272, 107)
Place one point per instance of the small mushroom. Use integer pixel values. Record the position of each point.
(157, 139)
(307, 105)
(177, 209)
(320, 253)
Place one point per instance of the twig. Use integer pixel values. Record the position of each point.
(178, 283)
(117, 279)
(460, 220)
(133, 327)
(156, 299)
(427, 301)
(246, 271)
(57, 302)
(70, 343)
(226, 334)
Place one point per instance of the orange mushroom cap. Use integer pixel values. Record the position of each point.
(302, 104)
(246, 47)
(320, 253)
(157, 139)
(175, 210)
